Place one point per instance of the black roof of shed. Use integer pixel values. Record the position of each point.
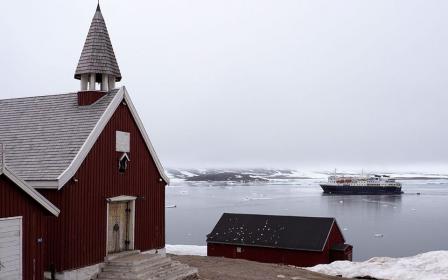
(286, 232)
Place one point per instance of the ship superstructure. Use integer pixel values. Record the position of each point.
(370, 184)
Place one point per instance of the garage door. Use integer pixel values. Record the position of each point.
(11, 248)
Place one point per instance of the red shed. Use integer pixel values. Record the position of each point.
(88, 153)
(299, 241)
(22, 227)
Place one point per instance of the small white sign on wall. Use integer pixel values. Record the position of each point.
(123, 142)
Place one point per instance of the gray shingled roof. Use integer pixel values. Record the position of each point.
(1, 157)
(98, 54)
(43, 134)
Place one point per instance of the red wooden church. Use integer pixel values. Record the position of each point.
(299, 241)
(86, 179)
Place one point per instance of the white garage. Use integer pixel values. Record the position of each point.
(11, 248)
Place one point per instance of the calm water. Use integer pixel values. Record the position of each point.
(392, 226)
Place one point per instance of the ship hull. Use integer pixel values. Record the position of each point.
(351, 190)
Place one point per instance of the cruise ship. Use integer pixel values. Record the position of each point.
(374, 184)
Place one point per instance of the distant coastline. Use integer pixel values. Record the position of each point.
(274, 176)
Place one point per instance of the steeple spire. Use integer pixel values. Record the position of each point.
(97, 63)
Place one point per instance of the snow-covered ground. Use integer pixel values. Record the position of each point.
(190, 250)
(427, 266)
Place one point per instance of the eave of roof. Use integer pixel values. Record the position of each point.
(30, 191)
(264, 246)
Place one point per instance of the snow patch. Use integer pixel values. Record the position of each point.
(427, 266)
(189, 250)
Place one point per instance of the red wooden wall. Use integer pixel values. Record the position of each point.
(78, 235)
(14, 202)
(274, 255)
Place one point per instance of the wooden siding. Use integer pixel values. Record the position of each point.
(14, 202)
(78, 235)
(276, 255)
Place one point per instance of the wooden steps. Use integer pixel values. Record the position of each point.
(136, 266)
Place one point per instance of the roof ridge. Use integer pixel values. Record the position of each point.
(288, 216)
(48, 95)
(36, 96)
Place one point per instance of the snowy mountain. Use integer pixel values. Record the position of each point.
(257, 175)
(275, 176)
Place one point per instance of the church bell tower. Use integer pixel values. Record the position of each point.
(97, 67)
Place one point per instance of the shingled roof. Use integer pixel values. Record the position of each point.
(48, 137)
(285, 232)
(98, 54)
(26, 188)
(43, 134)
(2, 159)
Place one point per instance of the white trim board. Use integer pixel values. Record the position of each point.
(121, 95)
(44, 184)
(30, 191)
(140, 126)
(121, 198)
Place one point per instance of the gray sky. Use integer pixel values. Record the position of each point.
(255, 82)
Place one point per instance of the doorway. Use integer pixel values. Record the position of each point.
(120, 225)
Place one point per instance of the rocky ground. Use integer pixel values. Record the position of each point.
(212, 268)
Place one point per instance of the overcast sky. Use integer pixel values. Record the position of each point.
(255, 82)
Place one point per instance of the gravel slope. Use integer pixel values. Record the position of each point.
(212, 268)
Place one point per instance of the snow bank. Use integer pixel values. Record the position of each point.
(427, 266)
(190, 250)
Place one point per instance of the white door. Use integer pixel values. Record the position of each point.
(11, 248)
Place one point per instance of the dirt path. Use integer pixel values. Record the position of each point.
(212, 268)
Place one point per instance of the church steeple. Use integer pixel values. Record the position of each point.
(97, 63)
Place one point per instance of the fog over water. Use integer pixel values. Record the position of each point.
(256, 82)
